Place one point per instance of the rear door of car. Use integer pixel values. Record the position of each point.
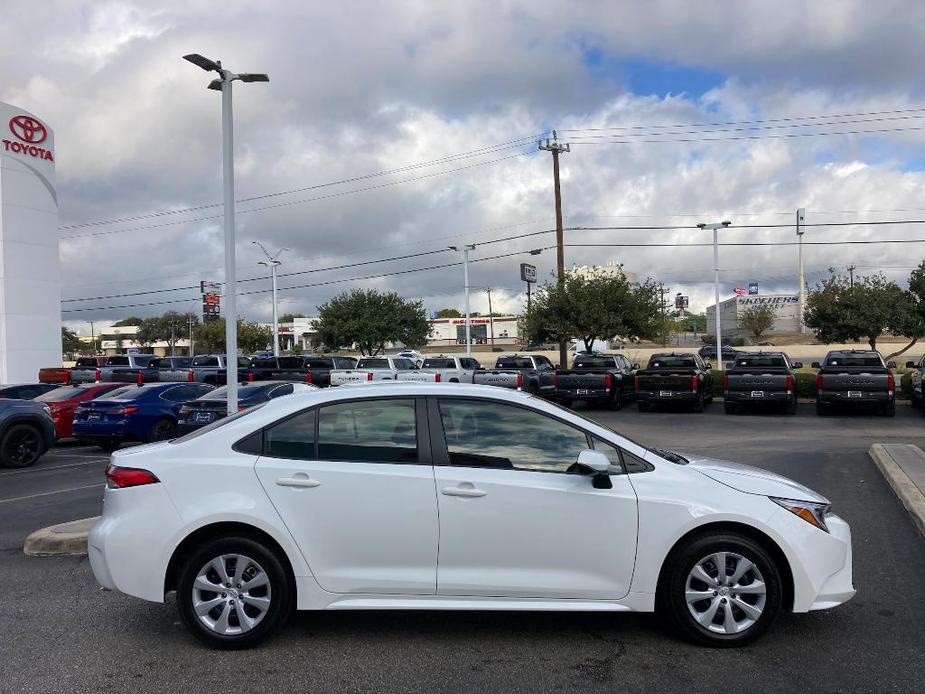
(354, 484)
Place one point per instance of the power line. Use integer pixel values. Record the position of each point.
(490, 149)
(748, 137)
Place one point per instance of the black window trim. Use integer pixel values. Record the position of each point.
(424, 457)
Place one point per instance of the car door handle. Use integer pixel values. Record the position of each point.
(300, 482)
(470, 492)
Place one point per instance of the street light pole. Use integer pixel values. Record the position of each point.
(801, 218)
(465, 251)
(715, 227)
(272, 262)
(231, 325)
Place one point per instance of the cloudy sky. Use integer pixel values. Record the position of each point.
(397, 128)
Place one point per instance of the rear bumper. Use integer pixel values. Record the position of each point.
(672, 395)
(581, 394)
(746, 396)
(101, 431)
(840, 397)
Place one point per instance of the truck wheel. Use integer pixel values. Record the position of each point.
(888, 410)
(730, 408)
(698, 404)
(822, 409)
(642, 406)
(615, 403)
(791, 407)
(22, 445)
(162, 430)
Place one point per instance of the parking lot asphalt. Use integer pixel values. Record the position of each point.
(59, 632)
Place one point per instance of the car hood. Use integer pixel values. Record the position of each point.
(753, 480)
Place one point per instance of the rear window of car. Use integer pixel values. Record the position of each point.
(117, 361)
(373, 364)
(591, 362)
(244, 392)
(672, 363)
(175, 363)
(205, 361)
(438, 364)
(514, 363)
(144, 361)
(126, 393)
(291, 362)
(756, 361)
(264, 364)
(59, 394)
(855, 360)
(319, 363)
(88, 361)
(195, 433)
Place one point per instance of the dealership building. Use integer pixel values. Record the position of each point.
(786, 307)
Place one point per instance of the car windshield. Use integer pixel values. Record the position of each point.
(854, 360)
(672, 362)
(244, 392)
(760, 360)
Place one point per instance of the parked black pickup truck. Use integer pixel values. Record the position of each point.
(314, 370)
(531, 373)
(605, 379)
(153, 371)
(672, 377)
(761, 377)
(916, 373)
(855, 378)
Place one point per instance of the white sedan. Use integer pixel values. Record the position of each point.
(419, 496)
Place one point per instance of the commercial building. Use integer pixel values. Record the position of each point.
(452, 331)
(786, 307)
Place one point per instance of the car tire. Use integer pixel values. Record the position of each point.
(615, 403)
(162, 430)
(724, 617)
(265, 607)
(642, 406)
(730, 407)
(22, 445)
(791, 407)
(698, 404)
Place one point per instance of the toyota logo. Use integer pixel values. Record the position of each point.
(28, 129)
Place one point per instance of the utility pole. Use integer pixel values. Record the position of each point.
(851, 269)
(491, 319)
(661, 292)
(465, 251)
(92, 338)
(190, 318)
(801, 219)
(272, 262)
(173, 338)
(715, 226)
(556, 149)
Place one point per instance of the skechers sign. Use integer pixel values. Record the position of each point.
(29, 133)
(768, 300)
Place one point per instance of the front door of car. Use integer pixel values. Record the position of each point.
(515, 520)
(354, 484)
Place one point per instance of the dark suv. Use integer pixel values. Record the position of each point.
(26, 432)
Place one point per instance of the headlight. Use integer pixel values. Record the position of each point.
(813, 513)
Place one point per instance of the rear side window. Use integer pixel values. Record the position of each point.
(292, 438)
(368, 431)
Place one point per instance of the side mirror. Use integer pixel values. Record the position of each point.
(797, 365)
(891, 364)
(708, 364)
(816, 365)
(597, 465)
(910, 364)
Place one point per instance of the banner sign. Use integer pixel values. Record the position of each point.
(740, 291)
(211, 300)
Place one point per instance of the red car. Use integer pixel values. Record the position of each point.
(64, 400)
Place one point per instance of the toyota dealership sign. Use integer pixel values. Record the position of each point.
(27, 134)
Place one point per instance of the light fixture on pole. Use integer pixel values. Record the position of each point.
(231, 326)
(465, 251)
(716, 226)
(272, 262)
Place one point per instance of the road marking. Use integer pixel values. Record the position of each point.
(53, 467)
(58, 491)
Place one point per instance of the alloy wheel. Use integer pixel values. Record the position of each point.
(231, 594)
(23, 447)
(725, 593)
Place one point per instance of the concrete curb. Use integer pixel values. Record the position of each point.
(68, 539)
(911, 496)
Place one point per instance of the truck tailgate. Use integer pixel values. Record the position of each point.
(504, 379)
(671, 381)
(756, 381)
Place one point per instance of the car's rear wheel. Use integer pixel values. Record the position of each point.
(721, 590)
(21, 446)
(233, 593)
(162, 430)
(615, 402)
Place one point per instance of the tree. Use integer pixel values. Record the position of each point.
(290, 317)
(838, 311)
(594, 306)
(758, 319)
(131, 320)
(252, 337)
(170, 328)
(70, 343)
(370, 318)
(449, 313)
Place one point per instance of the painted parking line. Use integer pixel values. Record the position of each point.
(57, 491)
(66, 466)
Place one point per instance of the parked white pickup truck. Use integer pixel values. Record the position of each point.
(373, 369)
(444, 370)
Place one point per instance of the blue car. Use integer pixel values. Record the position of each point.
(134, 413)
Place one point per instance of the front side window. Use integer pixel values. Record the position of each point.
(481, 433)
(368, 431)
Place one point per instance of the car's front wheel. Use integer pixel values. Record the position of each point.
(721, 590)
(21, 446)
(233, 593)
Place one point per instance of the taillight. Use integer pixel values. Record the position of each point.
(555, 380)
(97, 376)
(890, 382)
(694, 383)
(520, 380)
(309, 378)
(437, 378)
(140, 379)
(189, 376)
(121, 477)
(818, 381)
(638, 381)
(125, 410)
(726, 383)
(67, 378)
(608, 381)
(250, 377)
(369, 375)
(789, 383)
